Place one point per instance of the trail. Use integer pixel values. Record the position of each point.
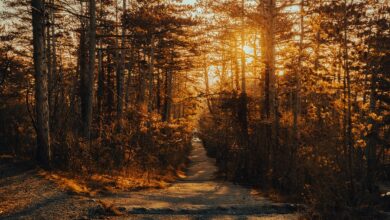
(26, 195)
(199, 196)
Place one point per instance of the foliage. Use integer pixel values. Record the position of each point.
(323, 138)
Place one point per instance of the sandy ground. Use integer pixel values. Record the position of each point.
(199, 195)
(26, 195)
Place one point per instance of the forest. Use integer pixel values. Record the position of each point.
(135, 108)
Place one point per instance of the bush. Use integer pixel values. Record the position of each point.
(312, 169)
(148, 145)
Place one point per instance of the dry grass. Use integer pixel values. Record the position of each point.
(64, 181)
(133, 179)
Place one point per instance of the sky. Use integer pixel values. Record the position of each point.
(189, 1)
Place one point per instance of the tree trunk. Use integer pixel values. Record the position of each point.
(120, 73)
(255, 55)
(168, 96)
(223, 85)
(236, 67)
(269, 59)
(297, 96)
(243, 107)
(55, 79)
(158, 92)
(41, 84)
(91, 68)
(83, 59)
(168, 92)
(207, 84)
(100, 90)
(372, 139)
(129, 79)
(349, 141)
(243, 57)
(110, 84)
(142, 84)
(151, 74)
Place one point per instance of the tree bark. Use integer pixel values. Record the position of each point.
(168, 92)
(41, 84)
(120, 72)
(207, 84)
(297, 96)
(243, 107)
(236, 67)
(372, 138)
(348, 93)
(269, 59)
(151, 74)
(91, 68)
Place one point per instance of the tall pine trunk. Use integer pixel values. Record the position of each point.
(269, 59)
(91, 68)
(151, 73)
(41, 84)
(120, 73)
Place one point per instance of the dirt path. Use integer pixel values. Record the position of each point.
(200, 196)
(26, 195)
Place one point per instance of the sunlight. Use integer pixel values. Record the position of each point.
(212, 74)
(248, 49)
(194, 108)
(294, 8)
(189, 2)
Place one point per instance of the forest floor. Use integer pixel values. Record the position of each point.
(24, 194)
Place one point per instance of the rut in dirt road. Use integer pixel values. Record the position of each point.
(198, 194)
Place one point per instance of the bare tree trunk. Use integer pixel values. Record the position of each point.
(48, 54)
(129, 78)
(100, 90)
(372, 139)
(297, 98)
(168, 96)
(91, 68)
(41, 84)
(269, 59)
(168, 92)
(317, 58)
(207, 85)
(110, 84)
(55, 78)
(255, 55)
(243, 57)
(83, 66)
(120, 72)
(236, 67)
(158, 92)
(151, 74)
(223, 71)
(142, 85)
(243, 107)
(270, 109)
(349, 106)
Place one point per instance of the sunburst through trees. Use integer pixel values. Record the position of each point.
(290, 96)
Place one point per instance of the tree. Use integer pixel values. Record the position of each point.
(41, 83)
(88, 70)
(268, 38)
